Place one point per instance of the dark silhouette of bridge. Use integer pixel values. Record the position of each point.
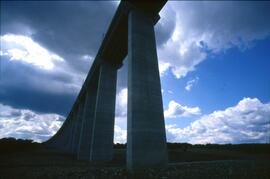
(89, 128)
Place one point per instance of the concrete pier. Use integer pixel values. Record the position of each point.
(71, 134)
(87, 124)
(77, 128)
(103, 131)
(146, 139)
(69, 137)
(65, 134)
(88, 131)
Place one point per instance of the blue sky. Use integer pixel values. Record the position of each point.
(213, 60)
(224, 79)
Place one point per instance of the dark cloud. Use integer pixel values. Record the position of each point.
(229, 23)
(65, 27)
(69, 29)
(25, 87)
(122, 75)
(72, 30)
(37, 101)
(166, 25)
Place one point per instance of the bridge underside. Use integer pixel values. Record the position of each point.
(89, 128)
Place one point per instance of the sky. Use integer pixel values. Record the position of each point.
(214, 64)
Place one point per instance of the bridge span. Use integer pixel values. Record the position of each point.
(89, 128)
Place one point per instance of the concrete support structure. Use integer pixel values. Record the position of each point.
(102, 135)
(69, 137)
(77, 128)
(87, 124)
(65, 137)
(89, 128)
(146, 141)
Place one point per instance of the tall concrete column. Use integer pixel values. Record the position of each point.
(77, 128)
(103, 131)
(63, 137)
(146, 138)
(87, 124)
(71, 136)
(68, 131)
(60, 137)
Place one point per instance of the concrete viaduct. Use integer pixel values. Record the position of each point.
(89, 128)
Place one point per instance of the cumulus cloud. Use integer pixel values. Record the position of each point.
(247, 122)
(45, 55)
(29, 82)
(191, 83)
(186, 34)
(27, 124)
(69, 28)
(120, 135)
(176, 110)
(19, 47)
(120, 128)
(121, 103)
(163, 67)
(24, 49)
(165, 26)
(203, 28)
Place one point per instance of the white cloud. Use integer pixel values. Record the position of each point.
(27, 124)
(23, 48)
(60, 75)
(87, 57)
(120, 135)
(170, 91)
(191, 83)
(120, 127)
(248, 121)
(177, 110)
(203, 28)
(121, 103)
(163, 67)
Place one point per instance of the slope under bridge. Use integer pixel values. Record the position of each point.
(89, 128)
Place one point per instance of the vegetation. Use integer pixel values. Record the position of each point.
(250, 148)
(27, 159)
(15, 145)
(12, 145)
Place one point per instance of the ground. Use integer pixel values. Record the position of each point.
(41, 162)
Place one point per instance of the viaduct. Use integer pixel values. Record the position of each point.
(89, 127)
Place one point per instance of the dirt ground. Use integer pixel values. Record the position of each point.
(193, 163)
